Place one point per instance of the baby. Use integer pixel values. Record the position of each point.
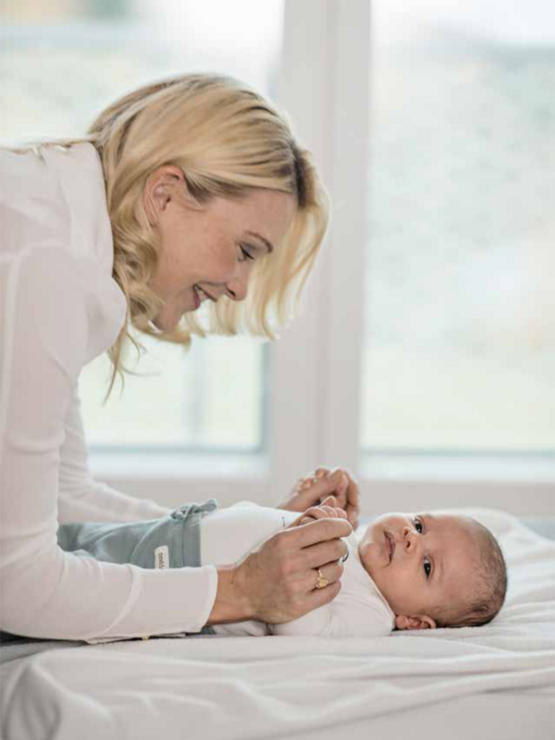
(435, 570)
(404, 571)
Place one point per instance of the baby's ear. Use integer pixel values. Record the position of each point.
(403, 622)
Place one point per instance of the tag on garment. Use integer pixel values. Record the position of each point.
(162, 557)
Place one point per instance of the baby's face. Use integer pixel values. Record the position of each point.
(418, 562)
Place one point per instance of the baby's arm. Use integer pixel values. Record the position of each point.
(351, 614)
(322, 622)
(340, 618)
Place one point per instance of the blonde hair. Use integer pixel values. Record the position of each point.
(227, 140)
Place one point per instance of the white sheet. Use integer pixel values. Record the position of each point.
(496, 681)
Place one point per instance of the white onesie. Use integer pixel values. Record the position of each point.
(359, 610)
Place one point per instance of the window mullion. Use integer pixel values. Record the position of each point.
(315, 366)
(350, 132)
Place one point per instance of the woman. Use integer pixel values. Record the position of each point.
(187, 192)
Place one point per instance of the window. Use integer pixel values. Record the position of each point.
(61, 62)
(368, 305)
(209, 399)
(428, 327)
(459, 345)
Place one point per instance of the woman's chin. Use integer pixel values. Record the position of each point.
(165, 322)
(171, 314)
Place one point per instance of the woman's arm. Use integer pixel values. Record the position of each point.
(54, 594)
(46, 295)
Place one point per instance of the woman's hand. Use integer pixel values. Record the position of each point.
(278, 581)
(313, 489)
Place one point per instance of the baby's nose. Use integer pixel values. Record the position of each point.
(408, 538)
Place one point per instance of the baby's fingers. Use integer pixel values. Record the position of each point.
(307, 520)
(310, 515)
(322, 512)
(331, 503)
(325, 512)
(314, 513)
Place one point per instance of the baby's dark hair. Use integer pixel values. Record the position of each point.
(490, 585)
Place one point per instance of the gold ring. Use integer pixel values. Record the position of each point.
(321, 581)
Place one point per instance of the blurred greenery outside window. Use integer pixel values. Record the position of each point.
(60, 63)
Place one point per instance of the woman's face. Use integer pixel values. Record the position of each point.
(208, 250)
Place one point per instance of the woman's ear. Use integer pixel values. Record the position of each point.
(165, 184)
(403, 622)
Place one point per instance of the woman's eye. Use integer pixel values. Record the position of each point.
(427, 568)
(418, 526)
(245, 254)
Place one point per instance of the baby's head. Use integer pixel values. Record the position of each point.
(435, 570)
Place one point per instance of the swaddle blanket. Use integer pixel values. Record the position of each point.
(492, 681)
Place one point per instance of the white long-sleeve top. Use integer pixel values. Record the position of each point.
(359, 610)
(59, 309)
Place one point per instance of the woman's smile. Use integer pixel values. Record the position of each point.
(201, 296)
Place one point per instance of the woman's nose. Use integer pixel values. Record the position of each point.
(237, 288)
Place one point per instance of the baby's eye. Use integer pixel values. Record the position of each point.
(427, 568)
(418, 526)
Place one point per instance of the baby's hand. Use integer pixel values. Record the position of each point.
(314, 489)
(326, 510)
(345, 490)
